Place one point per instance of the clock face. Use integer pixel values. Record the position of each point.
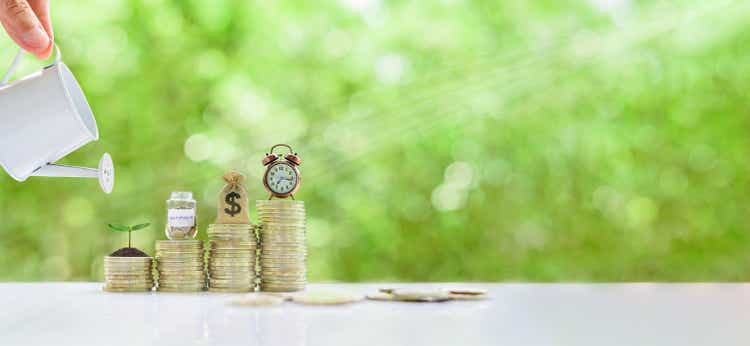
(281, 178)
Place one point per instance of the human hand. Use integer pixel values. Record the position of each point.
(27, 22)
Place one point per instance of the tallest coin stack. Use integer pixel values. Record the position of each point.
(282, 245)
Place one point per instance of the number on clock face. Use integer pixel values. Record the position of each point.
(281, 178)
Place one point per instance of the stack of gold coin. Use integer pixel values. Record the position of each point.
(128, 274)
(231, 264)
(282, 245)
(180, 266)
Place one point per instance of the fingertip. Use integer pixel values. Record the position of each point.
(46, 52)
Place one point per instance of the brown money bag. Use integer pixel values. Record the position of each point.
(232, 207)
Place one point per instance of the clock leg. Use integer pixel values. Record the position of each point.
(292, 196)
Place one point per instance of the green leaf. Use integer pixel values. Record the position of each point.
(140, 226)
(118, 227)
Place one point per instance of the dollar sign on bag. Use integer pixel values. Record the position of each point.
(230, 200)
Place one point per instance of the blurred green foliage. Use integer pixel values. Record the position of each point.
(453, 140)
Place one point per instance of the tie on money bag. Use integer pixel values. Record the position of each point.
(232, 207)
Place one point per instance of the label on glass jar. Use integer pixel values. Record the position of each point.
(181, 217)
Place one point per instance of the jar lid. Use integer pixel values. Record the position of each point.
(181, 196)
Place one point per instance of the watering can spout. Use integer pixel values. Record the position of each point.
(105, 173)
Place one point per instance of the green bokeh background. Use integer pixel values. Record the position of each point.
(453, 140)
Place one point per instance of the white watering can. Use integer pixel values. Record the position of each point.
(43, 118)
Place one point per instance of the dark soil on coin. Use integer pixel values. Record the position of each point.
(129, 252)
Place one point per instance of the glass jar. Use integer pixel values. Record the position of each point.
(181, 216)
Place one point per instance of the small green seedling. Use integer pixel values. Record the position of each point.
(129, 229)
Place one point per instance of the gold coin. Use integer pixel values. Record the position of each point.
(190, 262)
(130, 279)
(126, 286)
(129, 285)
(417, 295)
(467, 291)
(122, 290)
(277, 247)
(380, 296)
(180, 290)
(279, 202)
(182, 284)
(126, 259)
(233, 269)
(233, 248)
(193, 261)
(232, 273)
(270, 281)
(282, 241)
(247, 287)
(238, 257)
(232, 279)
(231, 225)
(127, 267)
(126, 277)
(231, 282)
(281, 288)
(232, 252)
(283, 265)
(233, 237)
(182, 281)
(267, 283)
(326, 298)
(231, 264)
(178, 255)
(285, 258)
(283, 251)
(270, 206)
(180, 269)
(229, 237)
(249, 249)
(224, 266)
(127, 271)
(196, 274)
(233, 231)
(272, 270)
(231, 243)
(287, 272)
(178, 243)
(233, 259)
(267, 263)
(230, 290)
(455, 296)
(282, 234)
(278, 227)
(224, 262)
(271, 218)
(188, 284)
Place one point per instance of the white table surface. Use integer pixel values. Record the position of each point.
(516, 314)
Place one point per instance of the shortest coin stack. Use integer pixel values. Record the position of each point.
(179, 264)
(128, 274)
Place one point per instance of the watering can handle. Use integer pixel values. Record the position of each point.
(17, 60)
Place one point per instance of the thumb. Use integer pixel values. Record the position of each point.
(23, 26)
